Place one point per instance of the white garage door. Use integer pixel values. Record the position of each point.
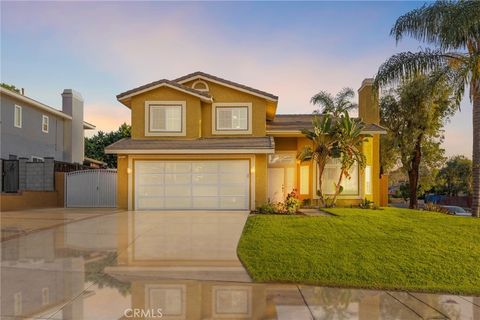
(222, 184)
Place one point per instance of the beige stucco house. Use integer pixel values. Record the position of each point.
(200, 142)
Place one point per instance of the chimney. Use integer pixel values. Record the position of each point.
(23, 91)
(73, 141)
(368, 108)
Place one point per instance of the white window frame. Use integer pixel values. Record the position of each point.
(341, 195)
(36, 159)
(304, 179)
(217, 131)
(45, 121)
(20, 117)
(202, 82)
(151, 132)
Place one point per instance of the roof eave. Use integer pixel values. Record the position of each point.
(192, 151)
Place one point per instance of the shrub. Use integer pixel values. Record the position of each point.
(267, 208)
(366, 204)
(292, 203)
(429, 206)
(289, 206)
(306, 202)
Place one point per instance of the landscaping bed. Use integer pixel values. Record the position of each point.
(396, 249)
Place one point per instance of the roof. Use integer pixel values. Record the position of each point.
(90, 160)
(42, 106)
(160, 83)
(202, 145)
(229, 83)
(297, 122)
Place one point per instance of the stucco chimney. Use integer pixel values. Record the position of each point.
(368, 108)
(72, 104)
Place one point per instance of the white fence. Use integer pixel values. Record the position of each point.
(91, 189)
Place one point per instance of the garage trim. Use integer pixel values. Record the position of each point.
(131, 171)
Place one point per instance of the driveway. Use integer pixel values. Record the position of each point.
(104, 264)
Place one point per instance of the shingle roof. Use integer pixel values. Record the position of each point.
(160, 82)
(228, 143)
(296, 122)
(227, 82)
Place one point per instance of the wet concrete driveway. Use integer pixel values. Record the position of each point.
(107, 264)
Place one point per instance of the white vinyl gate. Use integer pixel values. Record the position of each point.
(95, 188)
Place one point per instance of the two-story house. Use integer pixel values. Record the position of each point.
(202, 142)
(34, 130)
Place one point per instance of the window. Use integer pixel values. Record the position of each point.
(45, 124)
(232, 118)
(36, 159)
(200, 85)
(304, 179)
(331, 175)
(368, 179)
(17, 121)
(165, 118)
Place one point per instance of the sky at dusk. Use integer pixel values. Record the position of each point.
(291, 49)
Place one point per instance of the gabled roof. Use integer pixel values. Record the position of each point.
(199, 146)
(167, 83)
(42, 106)
(228, 83)
(297, 122)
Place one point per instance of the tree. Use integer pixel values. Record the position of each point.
(95, 145)
(321, 149)
(10, 87)
(456, 177)
(335, 106)
(454, 29)
(334, 135)
(414, 115)
(349, 144)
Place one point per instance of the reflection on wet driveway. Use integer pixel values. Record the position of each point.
(171, 265)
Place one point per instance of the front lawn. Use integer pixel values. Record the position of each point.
(381, 249)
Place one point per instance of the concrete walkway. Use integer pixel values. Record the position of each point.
(101, 264)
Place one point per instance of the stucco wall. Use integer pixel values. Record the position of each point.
(29, 140)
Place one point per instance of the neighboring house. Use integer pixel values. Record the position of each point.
(202, 142)
(33, 130)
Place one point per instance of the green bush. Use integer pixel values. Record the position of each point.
(366, 204)
(289, 206)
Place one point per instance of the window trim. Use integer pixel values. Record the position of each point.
(15, 116)
(368, 180)
(207, 89)
(183, 125)
(247, 105)
(47, 123)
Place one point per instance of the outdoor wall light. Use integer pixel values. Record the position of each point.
(129, 170)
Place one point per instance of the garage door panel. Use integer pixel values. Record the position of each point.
(182, 178)
(205, 190)
(215, 184)
(151, 191)
(178, 190)
(205, 179)
(178, 202)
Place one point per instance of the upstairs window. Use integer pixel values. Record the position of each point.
(17, 118)
(232, 118)
(165, 118)
(200, 85)
(45, 124)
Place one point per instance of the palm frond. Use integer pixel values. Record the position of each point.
(324, 100)
(448, 24)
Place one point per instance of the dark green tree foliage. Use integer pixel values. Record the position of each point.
(414, 115)
(455, 178)
(10, 87)
(95, 145)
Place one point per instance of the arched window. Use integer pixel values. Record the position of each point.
(200, 85)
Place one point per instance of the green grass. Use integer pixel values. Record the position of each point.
(396, 249)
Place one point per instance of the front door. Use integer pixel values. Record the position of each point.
(281, 181)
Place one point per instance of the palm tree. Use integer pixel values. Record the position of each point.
(454, 28)
(323, 142)
(335, 106)
(350, 140)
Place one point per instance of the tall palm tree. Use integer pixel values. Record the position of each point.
(337, 105)
(322, 147)
(454, 29)
(350, 141)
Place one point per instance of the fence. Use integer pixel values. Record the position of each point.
(28, 176)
